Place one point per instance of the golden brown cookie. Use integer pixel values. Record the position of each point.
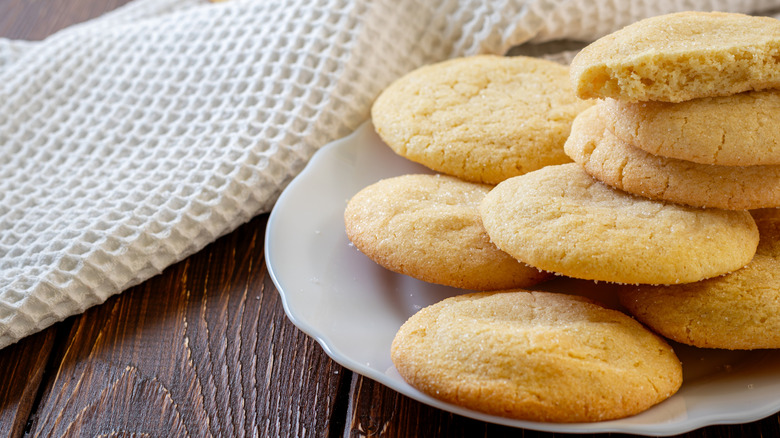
(736, 130)
(560, 219)
(621, 165)
(681, 56)
(535, 356)
(736, 311)
(481, 118)
(428, 227)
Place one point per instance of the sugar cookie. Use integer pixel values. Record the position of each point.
(736, 311)
(619, 164)
(481, 118)
(681, 56)
(560, 219)
(428, 227)
(535, 356)
(736, 130)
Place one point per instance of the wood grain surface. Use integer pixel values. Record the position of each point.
(204, 349)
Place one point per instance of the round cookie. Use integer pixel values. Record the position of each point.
(535, 356)
(621, 165)
(482, 118)
(560, 219)
(736, 311)
(736, 130)
(428, 227)
(681, 56)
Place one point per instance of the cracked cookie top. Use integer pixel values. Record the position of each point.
(562, 220)
(736, 130)
(535, 356)
(482, 118)
(428, 227)
(621, 165)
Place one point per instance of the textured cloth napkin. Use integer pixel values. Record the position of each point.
(133, 140)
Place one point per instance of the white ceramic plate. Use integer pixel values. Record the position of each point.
(353, 307)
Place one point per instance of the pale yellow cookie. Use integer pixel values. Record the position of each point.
(736, 130)
(428, 227)
(535, 356)
(482, 118)
(681, 56)
(619, 164)
(736, 311)
(562, 220)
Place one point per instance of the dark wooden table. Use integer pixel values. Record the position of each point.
(204, 349)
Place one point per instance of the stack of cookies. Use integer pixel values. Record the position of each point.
(688, 111)
(674, 147)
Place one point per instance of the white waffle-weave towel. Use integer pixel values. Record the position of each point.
(133, 140)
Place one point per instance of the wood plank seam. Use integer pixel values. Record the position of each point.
(338, 420)
(51, 368)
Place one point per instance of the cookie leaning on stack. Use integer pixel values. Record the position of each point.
(698, 93)
(561, 220)
(481, 118)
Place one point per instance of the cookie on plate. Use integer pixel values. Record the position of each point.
(736, 130)
(482, 118)
(736, 311)
(535, 356)
(681, 56)
(428, 227)
(621, 165)
(560, 219)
